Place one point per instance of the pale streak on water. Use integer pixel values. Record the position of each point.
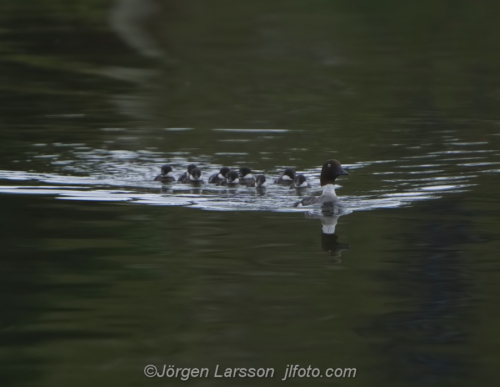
(124, 175)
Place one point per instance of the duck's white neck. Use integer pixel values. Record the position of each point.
(329, 190)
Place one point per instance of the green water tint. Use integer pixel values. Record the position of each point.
(103, 272)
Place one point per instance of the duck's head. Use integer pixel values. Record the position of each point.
(330, 171)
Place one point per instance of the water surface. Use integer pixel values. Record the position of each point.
(105, 271)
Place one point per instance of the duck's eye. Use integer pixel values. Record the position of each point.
(329, 165)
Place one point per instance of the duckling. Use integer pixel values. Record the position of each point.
(286, 178)
(166, 174)
(231, 179)
(300, 181)
(260, 182)
(218, 177)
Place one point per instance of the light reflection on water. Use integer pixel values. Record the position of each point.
(134, 171)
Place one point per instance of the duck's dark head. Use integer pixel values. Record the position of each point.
(260, 181)
(330, 171)
(166, 169)
(191, 167)
(244, 171)
(224, 171)
(290, 172)
(232, 177)
(195, 174)
(299, 180)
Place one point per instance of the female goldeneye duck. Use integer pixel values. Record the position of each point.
(330, 171)
(218, 177)
(287, 177)
(232, 178)
(259, 182)
(300, 181)
(246, 176)
(166, 174)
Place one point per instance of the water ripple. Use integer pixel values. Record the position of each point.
(89, 174)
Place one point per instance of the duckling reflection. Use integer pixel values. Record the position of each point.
(195, 189)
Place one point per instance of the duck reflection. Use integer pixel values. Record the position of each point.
(329, 215)
(329, 241)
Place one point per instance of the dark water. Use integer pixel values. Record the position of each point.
(104, 272)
